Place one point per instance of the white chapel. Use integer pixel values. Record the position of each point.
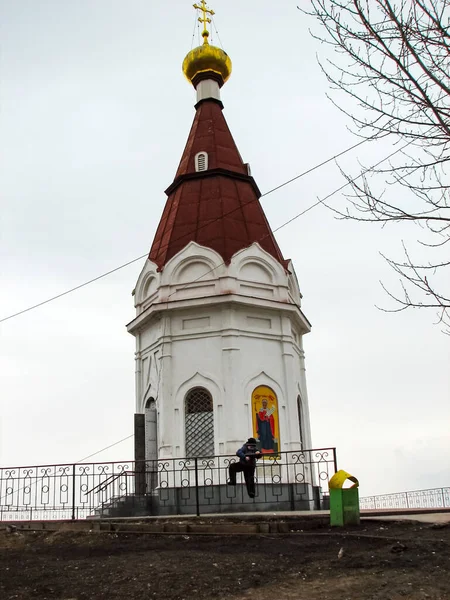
(219, 325)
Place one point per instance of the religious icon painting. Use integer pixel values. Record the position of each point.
(266, 426)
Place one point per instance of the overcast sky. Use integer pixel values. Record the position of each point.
(94, 115)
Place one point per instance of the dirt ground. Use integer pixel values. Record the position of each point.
(379, 561)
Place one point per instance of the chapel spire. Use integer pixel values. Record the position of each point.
(213, 200)
(218, 320)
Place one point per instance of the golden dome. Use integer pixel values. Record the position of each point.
(207, 59)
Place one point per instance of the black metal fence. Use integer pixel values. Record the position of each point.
(418, 499)
(293, 480)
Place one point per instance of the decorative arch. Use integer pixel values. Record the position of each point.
(149, 286)
(147, 283)
(192, 253)
(149, 368)
(255, 270)
(257, 256)
(291, 288)
(294, 290)
(263, 378)
(193, 270)
(199, 379)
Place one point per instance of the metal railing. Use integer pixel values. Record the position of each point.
(417, 499)
(293, 480)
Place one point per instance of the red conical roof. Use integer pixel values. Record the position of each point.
(217, 208)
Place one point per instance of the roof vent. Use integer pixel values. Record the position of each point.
(201, 161)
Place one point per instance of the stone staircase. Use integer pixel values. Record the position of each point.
(130, 505)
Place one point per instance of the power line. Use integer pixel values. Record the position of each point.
(322, 164)
(278, 187)
(295, 217)
(303, 212)
(349, 182)
(195, 27)
(74, 289)
(217, 31)
(78, 461)
(107, 448)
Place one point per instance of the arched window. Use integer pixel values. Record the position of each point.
(300, 420)
(199, 423)
(151, 445)
(201, 161)
(151, 430)
(150, 404)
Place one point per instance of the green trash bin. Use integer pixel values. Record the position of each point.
(344, 503)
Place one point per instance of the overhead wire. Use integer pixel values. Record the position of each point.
(77, 462)
(74, 289)
(134, 260)
(198, 29)
(193, 33)
(294, 218)
(303, 212)
(217, 31)
(106, 448)
(122, 266)
(285, 224)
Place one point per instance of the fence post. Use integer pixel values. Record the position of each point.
(335, 460)
(73, 493)
(407, 502)
(197, 500)
(290, 485)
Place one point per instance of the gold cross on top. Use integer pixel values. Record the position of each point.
(204, 19)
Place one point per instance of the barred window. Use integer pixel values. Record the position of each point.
(199, 423)
(300, 420)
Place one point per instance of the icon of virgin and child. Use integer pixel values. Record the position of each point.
(265, 420)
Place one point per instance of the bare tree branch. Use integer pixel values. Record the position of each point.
(392, 61)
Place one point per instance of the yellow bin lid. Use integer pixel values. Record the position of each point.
(339, 478)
